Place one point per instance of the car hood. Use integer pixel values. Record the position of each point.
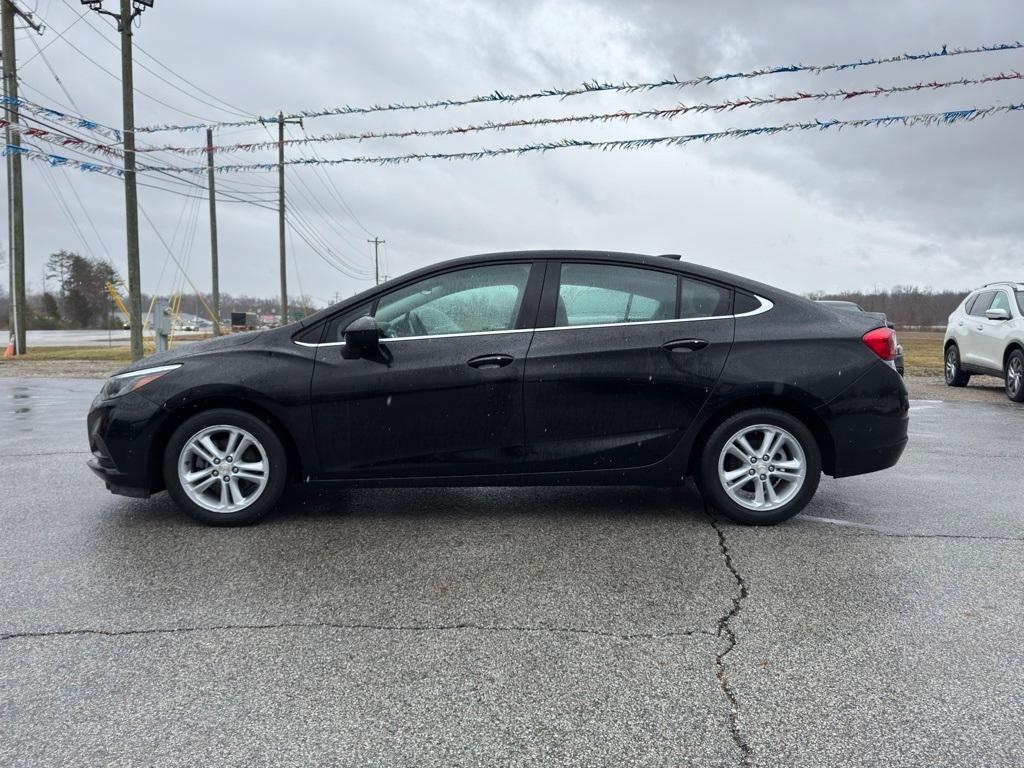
(192, 349)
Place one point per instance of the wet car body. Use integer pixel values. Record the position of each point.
(547, 405)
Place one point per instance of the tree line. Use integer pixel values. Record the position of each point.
(74, 296)
(904, 305)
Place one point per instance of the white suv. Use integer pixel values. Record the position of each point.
(985, 336)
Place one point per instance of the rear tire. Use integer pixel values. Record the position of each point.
(742, 484)
(1015, 376)
(955, 376)
(225, 467)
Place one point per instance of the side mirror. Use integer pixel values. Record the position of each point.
(997, 314)
(362, 336)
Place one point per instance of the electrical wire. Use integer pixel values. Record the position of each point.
(230, 111)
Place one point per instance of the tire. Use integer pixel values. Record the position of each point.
(795, 447)
(1015, 376)
(253, 482)
(955, 376)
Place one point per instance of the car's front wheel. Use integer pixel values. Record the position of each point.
(1015, 376)
(760, 467)
(955, 376)
(225, 467)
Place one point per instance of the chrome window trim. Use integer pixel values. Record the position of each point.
(766, 305)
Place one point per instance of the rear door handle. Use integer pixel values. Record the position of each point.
(685, 345)
(490, 361)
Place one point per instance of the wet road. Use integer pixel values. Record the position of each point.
(885, 626)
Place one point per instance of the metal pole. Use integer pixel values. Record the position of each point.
(131, 195)
(214, 269)
(15, 200)
(280, 216)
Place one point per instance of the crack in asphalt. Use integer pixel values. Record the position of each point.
(879, 531)
(375, 627)
(725, 628)
(48, 453)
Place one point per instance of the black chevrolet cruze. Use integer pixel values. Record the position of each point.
(530, 368)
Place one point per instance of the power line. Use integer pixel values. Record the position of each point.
(231, 110)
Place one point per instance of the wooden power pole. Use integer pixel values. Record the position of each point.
(15, 201)
(281, 121)
(214, 268)
(129, 10)
(377, 243)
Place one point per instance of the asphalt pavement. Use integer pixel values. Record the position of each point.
(576, 626)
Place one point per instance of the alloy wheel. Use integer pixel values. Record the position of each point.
(950, 365)
(1015, 376)
(762, 467)
(223, 468)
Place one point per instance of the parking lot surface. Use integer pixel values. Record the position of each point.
(580, 626)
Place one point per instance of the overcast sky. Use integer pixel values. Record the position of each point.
(931, 206)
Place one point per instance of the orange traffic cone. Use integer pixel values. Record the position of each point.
(9, 352)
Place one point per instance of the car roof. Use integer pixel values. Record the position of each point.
(668, 262)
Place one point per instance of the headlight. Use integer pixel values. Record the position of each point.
(124, 383)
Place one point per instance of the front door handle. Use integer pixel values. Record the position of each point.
(485, 362)
(685, 345)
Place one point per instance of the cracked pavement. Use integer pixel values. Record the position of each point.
(575, 626)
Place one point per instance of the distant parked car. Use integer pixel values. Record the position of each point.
(544, 368)
(852, 306)
(985, 336)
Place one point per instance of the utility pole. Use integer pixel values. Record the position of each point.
(15, 201)
(377, 243)
(281, 121)
(129, 10)
(214, 270)
(280, 217)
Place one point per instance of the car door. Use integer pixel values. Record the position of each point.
(972, 341)
(444, 396)
(994, 334)
(623, 358)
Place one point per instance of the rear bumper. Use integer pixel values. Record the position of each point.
(869, 422)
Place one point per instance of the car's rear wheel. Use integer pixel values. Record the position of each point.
(760, 467)
(955, 376)
(1015, 376)
(225, 467)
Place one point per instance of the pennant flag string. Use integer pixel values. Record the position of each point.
(668, 113)
(72, 121)
(950, 117)
(595, 86)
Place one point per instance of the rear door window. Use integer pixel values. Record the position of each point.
(605, 294)
(983, 302)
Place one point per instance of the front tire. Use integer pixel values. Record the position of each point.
(955, 376)
(1015, 376)
(225, 467)
(760, 467)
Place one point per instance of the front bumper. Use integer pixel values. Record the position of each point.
(120, 433)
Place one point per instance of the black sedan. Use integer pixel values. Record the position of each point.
(528, 368)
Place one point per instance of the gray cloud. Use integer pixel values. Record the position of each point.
(934, 206)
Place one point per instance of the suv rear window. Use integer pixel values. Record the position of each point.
(983, 302)
(1020, 301)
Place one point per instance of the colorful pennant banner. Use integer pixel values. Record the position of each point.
(597, 87)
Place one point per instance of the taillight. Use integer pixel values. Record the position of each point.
(881, 341)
